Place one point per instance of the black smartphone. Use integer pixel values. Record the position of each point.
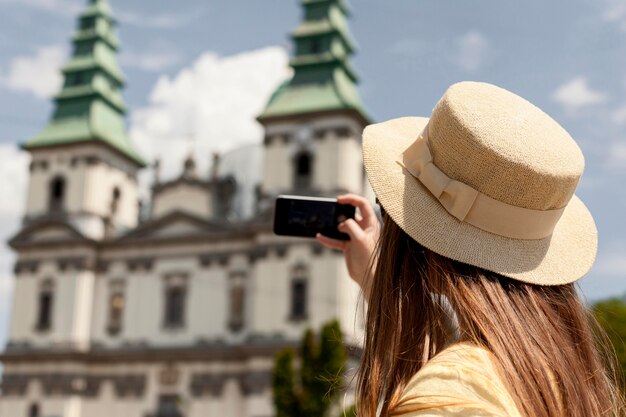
(307, 216)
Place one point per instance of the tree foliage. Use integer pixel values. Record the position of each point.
(283, 385)
(313, 388)
(611, 314)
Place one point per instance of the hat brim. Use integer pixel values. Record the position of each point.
(564, 257)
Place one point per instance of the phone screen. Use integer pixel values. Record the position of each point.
(305, 217)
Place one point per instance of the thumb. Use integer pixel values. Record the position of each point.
(352, 228)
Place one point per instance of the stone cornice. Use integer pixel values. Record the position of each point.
(338, 132)
(352, 113)
(145, 264)
(212, 384)
(73, 384)
(89, 385)
(236, 233)
(89, 159)
(206, 352)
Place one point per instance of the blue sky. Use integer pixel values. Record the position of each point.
(202, 69)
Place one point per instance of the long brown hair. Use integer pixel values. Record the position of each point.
(548, 350)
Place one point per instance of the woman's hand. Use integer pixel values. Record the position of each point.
(364, 231)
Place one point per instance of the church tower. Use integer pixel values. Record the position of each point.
(313, 122)
(84, 168)
(82, 192)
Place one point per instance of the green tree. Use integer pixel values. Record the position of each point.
(332, 362)
(611, 314)
(283, 385)
(313, 388)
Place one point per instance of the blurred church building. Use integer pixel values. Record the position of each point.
(176, 307)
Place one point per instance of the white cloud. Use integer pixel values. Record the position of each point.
(149, 61)
(473, 50)
(13, 170)
(38, 74)
(576, 94)
(215, 100)
(614, 11)
(6, 292)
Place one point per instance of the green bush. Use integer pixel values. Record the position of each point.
(611, 314)
(314, 387)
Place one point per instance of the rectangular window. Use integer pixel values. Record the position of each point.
(298, 299)
(237, 307)
(315, 47)
(303, 171)
(116, 313)
(175, 306)
(87, 23)
(57, 194)
(77, 79)
(84, 49)
(44, 316)
(237, 301)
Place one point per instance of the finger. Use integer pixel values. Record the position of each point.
(352, 228)
(331, 243)
(364, 206)
(360, 221)
(357, 217)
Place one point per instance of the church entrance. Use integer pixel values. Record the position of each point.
(169, 406)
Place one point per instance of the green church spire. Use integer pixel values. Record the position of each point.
(323, 79)
(90, 106)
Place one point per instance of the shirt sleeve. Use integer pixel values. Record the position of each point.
(459, 382)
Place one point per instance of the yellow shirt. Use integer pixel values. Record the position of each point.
(461, 381)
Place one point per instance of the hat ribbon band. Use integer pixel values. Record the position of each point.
(471, 206)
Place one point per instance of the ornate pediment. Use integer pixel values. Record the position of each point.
(48, 232)
(176, 225)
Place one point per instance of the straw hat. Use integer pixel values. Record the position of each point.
(488, 180)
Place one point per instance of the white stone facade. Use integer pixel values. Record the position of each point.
(116, 317)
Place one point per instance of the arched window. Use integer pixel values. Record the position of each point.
(115, 201)
(44, 305)
(237, 301)
(33, 410)
(298, 299)
(303, 168)
(116, 312)
(174, 306)
(175, 300)
(57, 194)
(299, 293)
